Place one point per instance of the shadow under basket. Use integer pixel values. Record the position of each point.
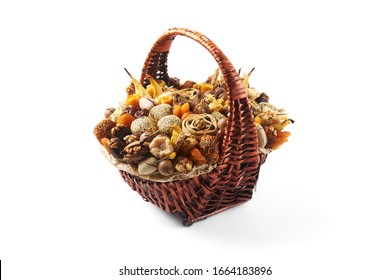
(233, 180)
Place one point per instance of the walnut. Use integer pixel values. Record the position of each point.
(131, 138)
(183, 164)
(115, 146)
(135, 152)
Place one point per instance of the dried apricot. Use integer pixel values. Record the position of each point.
(184, 108)
(125, 119)
(133, 100)
(185, 115)
(197, 157)
(203, 87)
(177, 110)
(165, 100)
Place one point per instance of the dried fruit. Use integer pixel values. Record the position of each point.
(185, 115)
(197, 157)
(133, 100)
(188, 84)
(125, 120)
(165, 99)
(203, 87)
(103, 129)
(184, 108)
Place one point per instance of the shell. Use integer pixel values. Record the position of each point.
(141, 125)
(159, 111)
(166, 167)
(147, 166)
(165, 123)
(146, 103)
(261, 136)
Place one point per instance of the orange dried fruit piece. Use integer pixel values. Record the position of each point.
(196, 156)
(177, 110)
(125, 119)
(184, 108)
(275, 140)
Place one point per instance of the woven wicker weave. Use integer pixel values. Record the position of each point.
(233, 180)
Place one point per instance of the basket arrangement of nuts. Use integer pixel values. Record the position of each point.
(172, 131)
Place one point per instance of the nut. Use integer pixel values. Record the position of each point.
(147, 166)
(183, 164)
(166, 168)
(146, 103)
(108, 112)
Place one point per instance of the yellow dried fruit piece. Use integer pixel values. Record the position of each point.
(258, 120)
(133, 100)
(215, 106)
(154, 88)
(281, 126)
(203, 87)
(176, 130)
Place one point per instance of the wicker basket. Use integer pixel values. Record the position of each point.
(233, 180)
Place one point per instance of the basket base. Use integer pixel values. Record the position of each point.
(196, 198)
(189, 222)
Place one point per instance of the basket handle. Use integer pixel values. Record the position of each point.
(240, 144)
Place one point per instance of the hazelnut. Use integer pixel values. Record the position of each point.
(222, 122)
(108, 112)
(166, 168)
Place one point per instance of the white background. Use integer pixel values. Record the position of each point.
(321, 209)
